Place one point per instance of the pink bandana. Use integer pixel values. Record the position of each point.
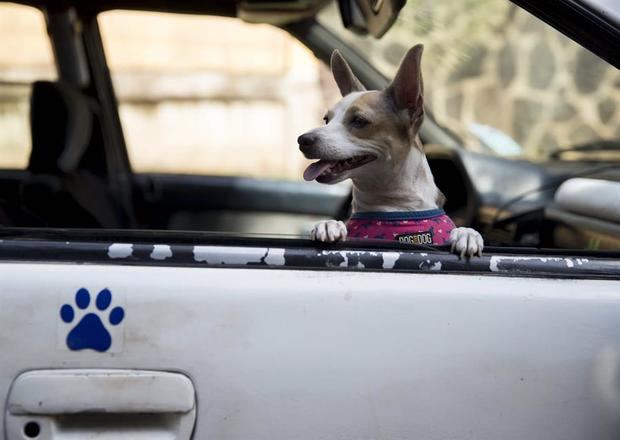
(430, 227)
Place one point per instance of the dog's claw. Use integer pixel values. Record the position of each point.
(329, 231)
(466, 242)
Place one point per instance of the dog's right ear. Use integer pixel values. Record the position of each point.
(347, 82)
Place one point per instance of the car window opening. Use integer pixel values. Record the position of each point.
(211, 110)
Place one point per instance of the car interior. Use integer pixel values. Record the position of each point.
(78, 174)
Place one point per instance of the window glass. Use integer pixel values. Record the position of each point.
(212, 95)
(499, 78)
(25, 56)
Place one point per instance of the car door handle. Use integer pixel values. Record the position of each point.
(122, 404)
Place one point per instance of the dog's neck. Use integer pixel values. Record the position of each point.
(406, 185)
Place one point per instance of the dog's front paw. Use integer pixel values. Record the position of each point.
(329, 231)
(466, 242)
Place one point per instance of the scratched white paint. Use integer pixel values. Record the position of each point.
(271, 352)
(238, 255)
(427, 264)
(161, 252)
(120, 250)
(345, 262)
(275, 257)
(496, 260)
(389, 259)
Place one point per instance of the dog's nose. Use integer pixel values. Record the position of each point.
(306, 141)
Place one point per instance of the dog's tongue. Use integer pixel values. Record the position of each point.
(317, 168)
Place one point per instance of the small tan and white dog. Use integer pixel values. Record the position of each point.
(371, 137)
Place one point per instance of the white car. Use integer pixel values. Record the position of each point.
(143, 305)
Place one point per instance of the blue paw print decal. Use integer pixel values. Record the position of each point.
(91, 330)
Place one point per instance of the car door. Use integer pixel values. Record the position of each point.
(270, 338)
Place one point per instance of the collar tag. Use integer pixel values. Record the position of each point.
(417, 238)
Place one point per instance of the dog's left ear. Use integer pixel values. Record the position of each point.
(407, 88)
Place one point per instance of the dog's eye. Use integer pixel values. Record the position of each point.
(359, 122)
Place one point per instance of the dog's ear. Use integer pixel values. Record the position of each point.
(407, 88)
(347, 82)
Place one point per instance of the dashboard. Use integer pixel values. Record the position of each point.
(512, 202)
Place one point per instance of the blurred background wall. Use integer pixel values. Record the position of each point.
(204, 95)
(213, 95)
(25, 56)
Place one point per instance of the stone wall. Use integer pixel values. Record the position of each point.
(488, 62)
(518, 75)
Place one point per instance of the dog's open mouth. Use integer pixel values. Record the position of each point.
(327, 170)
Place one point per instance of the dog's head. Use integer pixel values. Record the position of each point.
(366, 132)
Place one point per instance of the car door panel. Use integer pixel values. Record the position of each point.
(286, 353)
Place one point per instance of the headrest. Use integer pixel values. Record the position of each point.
(61, 126)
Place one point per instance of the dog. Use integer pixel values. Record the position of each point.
(371, 137)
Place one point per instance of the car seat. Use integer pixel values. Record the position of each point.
(58, 193)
